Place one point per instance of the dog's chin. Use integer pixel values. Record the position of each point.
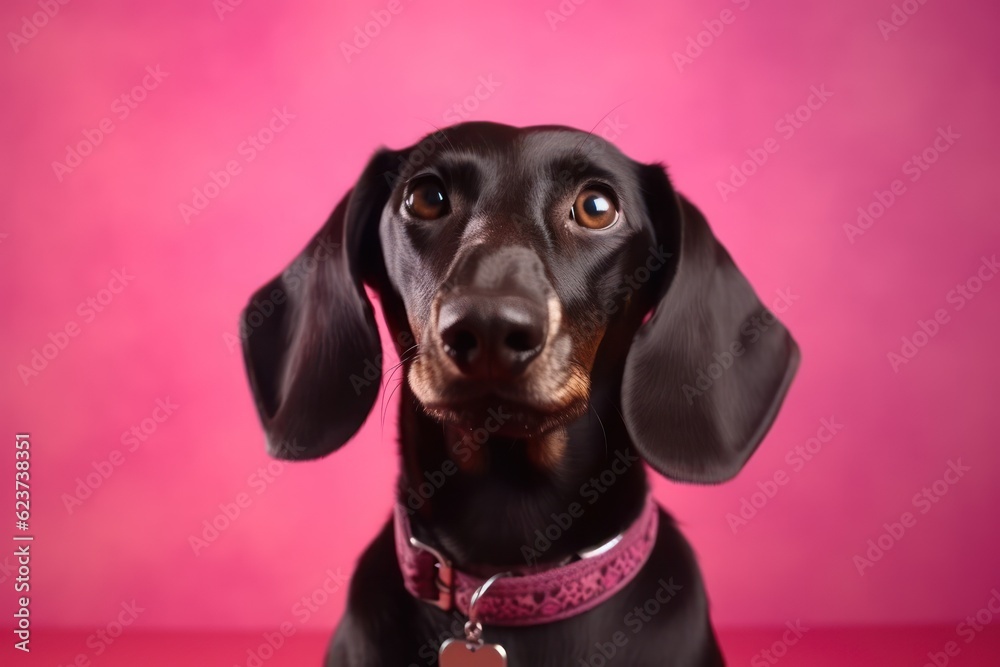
(504, 418)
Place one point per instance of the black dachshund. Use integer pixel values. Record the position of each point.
(559, 311)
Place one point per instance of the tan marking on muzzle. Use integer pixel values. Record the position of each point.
(546, 451)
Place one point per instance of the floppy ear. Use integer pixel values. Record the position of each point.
(706, 374)
(310, 342)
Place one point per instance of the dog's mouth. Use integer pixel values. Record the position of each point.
(501, 395)
(493, 414)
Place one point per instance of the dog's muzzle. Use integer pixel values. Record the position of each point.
(493, 315)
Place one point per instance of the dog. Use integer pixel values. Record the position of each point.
(562, 316)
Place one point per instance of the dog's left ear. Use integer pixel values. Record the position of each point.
(706, 374)
(310, 342)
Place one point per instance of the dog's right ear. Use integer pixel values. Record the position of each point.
(310, 341)
(705, 310)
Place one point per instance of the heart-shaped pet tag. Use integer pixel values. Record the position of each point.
(461, 653)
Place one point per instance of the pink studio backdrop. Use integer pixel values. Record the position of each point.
(161, 333)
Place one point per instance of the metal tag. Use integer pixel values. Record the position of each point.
(461, 653)
(473, 651)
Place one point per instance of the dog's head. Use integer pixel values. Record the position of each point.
(529, 270)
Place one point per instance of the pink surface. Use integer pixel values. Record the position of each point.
(157, 341)
(758, 647)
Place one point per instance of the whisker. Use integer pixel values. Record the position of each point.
(591, 405)
(591, 132)
(385, 403)
(441, 133)
(383, 409)
(387, 375)
(619, 414)
(398, 366)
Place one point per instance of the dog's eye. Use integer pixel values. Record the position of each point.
(594, 209)
(427, 199)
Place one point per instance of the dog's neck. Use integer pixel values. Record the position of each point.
(491, 502)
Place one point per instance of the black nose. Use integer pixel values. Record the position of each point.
(492, 336)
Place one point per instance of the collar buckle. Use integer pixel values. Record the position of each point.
(444, 577)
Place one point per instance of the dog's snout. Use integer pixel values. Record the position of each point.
(492, 336)
(493, 318)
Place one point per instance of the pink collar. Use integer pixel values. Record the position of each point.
(551, 595)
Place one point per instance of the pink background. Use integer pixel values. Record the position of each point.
(165, 334)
